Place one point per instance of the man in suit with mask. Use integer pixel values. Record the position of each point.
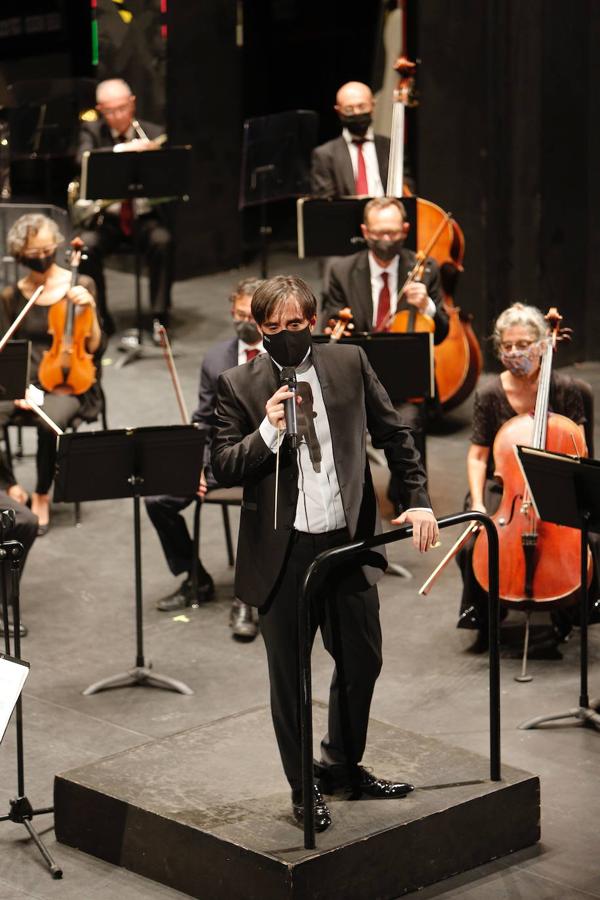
(325, 499)
(165, 511)
(356, 162)
(118, 130)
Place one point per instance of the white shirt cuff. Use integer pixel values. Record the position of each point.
(431, 308)
(419, 509)
(269, 434)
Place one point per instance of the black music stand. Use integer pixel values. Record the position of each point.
(153, 174)
(21, 812)
(276, 164)
(403, 362)
(566, 490)
(14, 370)
(132, 462)
(332, 227)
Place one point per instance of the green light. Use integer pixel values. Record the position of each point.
(94, 42)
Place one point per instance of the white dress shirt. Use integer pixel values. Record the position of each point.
(319, 506)
(243, 346)
(375, 186)
(377, 283)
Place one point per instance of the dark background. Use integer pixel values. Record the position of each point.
(506, 134)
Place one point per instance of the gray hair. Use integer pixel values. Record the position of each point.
(26, 226)
(246, 288)
(520, 314)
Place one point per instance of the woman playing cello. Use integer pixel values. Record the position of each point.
(33, 241)
(520, 336)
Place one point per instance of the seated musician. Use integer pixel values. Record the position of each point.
(33, 240)
(356, 162)
(165, 511)
(369, 281)
(118, 130)
(519, 334)
(24, 530)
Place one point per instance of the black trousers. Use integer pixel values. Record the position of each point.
(172, 530)
(155, 246)
(62, 409)
(346, 610)
(24, 530)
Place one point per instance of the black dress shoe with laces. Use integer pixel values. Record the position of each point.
(184, 595)
(23, 630)
(321, 814)
(358, 781)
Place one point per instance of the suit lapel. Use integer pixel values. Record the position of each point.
(344, 167)
(362, 298)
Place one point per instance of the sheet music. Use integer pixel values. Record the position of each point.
(12, 679)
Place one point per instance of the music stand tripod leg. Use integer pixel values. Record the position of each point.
(140, 673)
(21, 811)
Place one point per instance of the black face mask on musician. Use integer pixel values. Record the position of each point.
(288, 348)
(38, 263)
(247, 332)
(358, 124)
(385, 250)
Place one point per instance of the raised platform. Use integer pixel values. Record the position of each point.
(207, 812)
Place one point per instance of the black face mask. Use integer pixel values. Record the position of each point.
(357, 124)
(38, 263)
(385, 250)
(247, 332)
(288, 348)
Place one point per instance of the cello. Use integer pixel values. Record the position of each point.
(539, 561)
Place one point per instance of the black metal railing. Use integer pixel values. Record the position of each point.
(332, 558)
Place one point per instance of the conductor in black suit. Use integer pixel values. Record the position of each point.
(326, 498)
(165, 511)
(356, 162)
(369, 282)
(118, 130)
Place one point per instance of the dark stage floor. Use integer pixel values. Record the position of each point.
(78, 604)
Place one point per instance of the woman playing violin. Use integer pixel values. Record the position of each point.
(519, 337)
(33, 240)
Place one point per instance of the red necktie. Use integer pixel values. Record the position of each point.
(383, 307)
(250, 354)
(126, 217)
(361, 186)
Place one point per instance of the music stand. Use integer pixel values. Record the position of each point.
(21, 811)
(153, 174)
(132, 462)
(566, 490)
(403, 362)
(332, 227)
(276, 164)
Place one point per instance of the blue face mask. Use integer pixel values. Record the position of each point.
(520, 362)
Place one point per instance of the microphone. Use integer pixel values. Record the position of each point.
(288, 377)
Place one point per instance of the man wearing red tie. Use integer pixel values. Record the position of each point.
(356, 162)
(165, 511)
(369, 283)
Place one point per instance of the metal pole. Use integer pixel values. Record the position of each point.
(494, 640)
(306, 729)
(137, 531)
(584, 700)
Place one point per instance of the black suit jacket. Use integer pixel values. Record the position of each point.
(355, 401)
(350, 285)
(331, 173)
(97, 136)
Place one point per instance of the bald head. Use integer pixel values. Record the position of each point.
(116, 103)
(354, 97)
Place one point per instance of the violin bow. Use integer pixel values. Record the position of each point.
(161, 332)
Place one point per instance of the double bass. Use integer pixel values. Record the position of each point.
(458, 358)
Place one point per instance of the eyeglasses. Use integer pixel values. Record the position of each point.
(356, 108)
(507, 346)
(115, 110)
(378, 235)
(243, 317)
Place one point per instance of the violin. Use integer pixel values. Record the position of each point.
(342, 326)
(539, 561)
(67, 367)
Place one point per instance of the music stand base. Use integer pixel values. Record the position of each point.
(21, 812)
(587, 714)
(132, 347)
(400, 571)
(138, 675)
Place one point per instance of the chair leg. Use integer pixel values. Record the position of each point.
(77, 511)
(196, 549)
(7, 447)
(228, 541)
(19, 442)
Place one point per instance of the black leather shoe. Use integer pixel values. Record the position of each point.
(23, 630)
(321, 814)
(241, 621)
(359, 781)
(184, 596)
